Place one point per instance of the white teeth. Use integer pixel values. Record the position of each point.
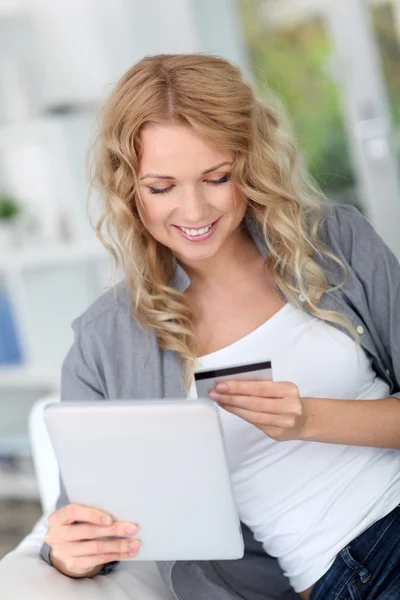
(194, 232)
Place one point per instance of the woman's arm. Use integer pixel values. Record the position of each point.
(353, 422)
(364, 422)
(278, 410)
(377, 269)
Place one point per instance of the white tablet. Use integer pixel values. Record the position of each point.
(158, 463)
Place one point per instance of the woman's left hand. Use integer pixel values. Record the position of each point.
(274, 407)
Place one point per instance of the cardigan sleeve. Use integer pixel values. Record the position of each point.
(378, 270)
(80, 380)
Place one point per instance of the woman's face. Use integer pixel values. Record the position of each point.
(188, 202)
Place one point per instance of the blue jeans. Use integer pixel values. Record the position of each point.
(368, 568)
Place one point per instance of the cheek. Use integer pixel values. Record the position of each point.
(237, 202)
(151, 211)
(226, 198)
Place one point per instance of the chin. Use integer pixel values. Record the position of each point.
(195, 254)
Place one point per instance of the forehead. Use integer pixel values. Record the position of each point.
(172, 149)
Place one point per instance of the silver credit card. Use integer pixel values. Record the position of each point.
(207, 379)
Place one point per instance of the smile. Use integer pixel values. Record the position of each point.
(197, 235)
(194, 232)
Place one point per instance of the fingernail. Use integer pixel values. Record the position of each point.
(131, 529)
(214, 396)
(107, 520)
(134, 544)
(222, 387)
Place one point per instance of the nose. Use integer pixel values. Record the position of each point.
(195, 209)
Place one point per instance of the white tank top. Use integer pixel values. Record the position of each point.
(304, 501)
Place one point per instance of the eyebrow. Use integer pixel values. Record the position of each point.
(156, 176)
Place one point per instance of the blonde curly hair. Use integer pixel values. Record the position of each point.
(209, 94)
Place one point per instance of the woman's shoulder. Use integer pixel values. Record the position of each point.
(109, 349)
(344, 227)
(110, 310)
(352, 237)
(338, 218)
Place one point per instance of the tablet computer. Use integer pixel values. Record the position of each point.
(158, 463)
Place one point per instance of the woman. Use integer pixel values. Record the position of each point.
(232, 255)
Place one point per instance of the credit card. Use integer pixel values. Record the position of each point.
(207, 379)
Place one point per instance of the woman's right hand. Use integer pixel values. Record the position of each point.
(77, 549)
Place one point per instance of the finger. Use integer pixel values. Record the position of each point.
(274, 389)
(252, 417)
(268, 405)
(76, 512)
(260, 418)
(74, 533)
(98, 547)
(76, 564)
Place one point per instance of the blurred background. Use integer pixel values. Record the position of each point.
(334, 64)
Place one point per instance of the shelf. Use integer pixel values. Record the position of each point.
(22, 377)
(52, 255)
(18, 485)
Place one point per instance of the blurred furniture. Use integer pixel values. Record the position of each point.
(37, 284)
(44, 460)
(26, 576)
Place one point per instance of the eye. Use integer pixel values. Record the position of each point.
(223, 179)
(161, 191)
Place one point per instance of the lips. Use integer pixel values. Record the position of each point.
(195, 228)
(200, 236)
(197, 231)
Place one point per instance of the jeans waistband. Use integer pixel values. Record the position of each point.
(337, 577)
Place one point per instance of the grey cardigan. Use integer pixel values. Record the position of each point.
(108, 360)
